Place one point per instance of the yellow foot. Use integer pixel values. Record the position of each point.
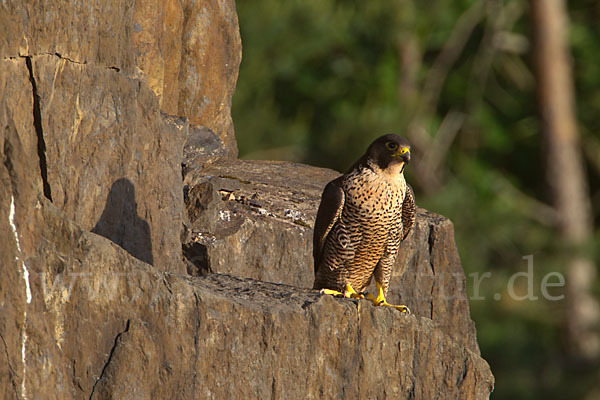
(380, 300)
(348, 293)
(399, 307)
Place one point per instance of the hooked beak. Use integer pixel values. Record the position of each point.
(404, 154)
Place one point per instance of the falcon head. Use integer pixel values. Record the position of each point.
(389, 151)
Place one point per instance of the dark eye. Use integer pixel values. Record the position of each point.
(391, 146)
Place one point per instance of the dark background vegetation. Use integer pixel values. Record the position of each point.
(320, 79)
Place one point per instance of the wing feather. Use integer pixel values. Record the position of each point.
(330, 210)
(409, 212)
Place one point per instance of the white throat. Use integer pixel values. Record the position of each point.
(396, 169)
(394, 174)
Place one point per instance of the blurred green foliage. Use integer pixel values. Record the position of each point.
(320, 79)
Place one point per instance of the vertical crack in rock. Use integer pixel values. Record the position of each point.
(110, 355)
(465, 370)
(196, 338)
(37, 122)
(76, 379)
(431, 243)
(8, 161)
(10, 368)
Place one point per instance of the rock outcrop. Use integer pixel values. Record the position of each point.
(238, 209)
(116, 147)
(102, 324)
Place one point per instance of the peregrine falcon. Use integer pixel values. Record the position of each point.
(363, 216)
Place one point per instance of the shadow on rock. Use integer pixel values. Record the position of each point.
(121, 224)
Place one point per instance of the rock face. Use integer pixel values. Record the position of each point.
(189, 53)
(186, 52)
(114, 327)
(99, 76)
(116, 147)
(244, 208)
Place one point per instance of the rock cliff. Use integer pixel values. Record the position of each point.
(139, 259)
